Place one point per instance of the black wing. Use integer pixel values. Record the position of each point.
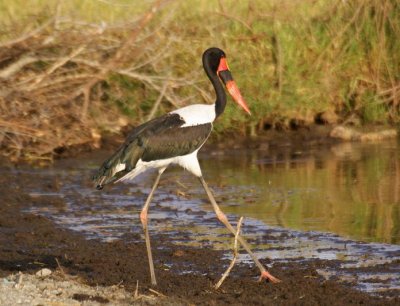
(132, 149)
(175, 142)
(159, 138)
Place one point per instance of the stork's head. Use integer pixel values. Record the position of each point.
(216, 59)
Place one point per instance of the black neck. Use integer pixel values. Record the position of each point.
(220, 102)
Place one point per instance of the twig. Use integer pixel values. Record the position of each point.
(154, 58)
(112, 3)
(155, 106)
(57, 14)
(136, 294)
(181, 184)
(389, 90)
(338, 35)
(277, 57)
(33, 33)
(17, 66)
(59, 266)
(57, 65)
(61, 81)
(116, 59)
(221, 6)
(156, 292)
(147, 79)
(19, 280)
(14, 125)
(235, 254)
(244, 23)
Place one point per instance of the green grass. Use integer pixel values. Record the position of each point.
(290, 58)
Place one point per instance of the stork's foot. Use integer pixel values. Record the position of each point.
(268, 276)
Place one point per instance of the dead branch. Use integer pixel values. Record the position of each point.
(16, 126)
(16, 66)
(237, 19)
(156, 105)
(235, 254)
(27, 36)
(59, 266)
(318, 61)
(119, 54)
(156, 292)
(49, 86)
(60, 81)
(136, 294)
(57, 65)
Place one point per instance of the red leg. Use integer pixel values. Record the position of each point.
(143, 219)
(221, 217)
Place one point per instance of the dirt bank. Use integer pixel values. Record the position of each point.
(29, 243)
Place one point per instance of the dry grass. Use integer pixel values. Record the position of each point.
(54, 82)
(71, 70)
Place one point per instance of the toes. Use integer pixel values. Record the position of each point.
(268, 276)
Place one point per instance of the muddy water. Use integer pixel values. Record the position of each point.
(339, 204)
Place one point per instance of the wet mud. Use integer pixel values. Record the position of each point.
(30, 241)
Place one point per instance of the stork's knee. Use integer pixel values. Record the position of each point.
(143, 217)
(221, 217)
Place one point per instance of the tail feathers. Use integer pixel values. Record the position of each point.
(105, 175)
(107, 179)
(118, 165)
(99, 182)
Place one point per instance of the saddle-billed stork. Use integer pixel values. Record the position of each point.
(175, 138)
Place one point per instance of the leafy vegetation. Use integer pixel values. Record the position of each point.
(292, 59)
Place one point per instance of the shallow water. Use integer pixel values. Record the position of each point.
(349, 189)
(299, 205)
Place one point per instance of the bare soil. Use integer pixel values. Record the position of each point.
(30, 242)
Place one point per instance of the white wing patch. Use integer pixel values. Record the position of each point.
(119, 168)
(196, 114)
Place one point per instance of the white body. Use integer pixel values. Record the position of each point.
(189, 162)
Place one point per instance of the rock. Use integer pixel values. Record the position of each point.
(346, 133)
(8, 282)
(386, 134)
(43, 272)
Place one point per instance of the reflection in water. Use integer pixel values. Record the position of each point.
(351, 189)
